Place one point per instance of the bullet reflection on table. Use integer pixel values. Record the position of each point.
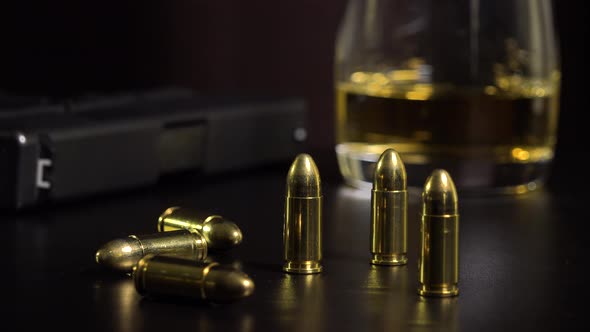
(388, 294)
(243, 323)
(122, 300)
(301, 302)
(439, 314)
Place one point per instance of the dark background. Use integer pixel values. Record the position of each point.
(267, 47)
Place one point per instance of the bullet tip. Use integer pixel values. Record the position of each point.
(230, 284)
(303, 179)
(221, 233)
(119, 254)
(440, 195)
(390, 172)
(248, 287)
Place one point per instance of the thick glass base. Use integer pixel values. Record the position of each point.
(471, 175)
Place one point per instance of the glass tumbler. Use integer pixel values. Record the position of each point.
(471, 86)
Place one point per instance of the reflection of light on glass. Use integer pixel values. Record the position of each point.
(404, 75)
(490, 90)
(22, 139)
(373, 89)
(126, 249)
(359, 77)
(349, 193)
(206, 228)
(520, 189)
(413, 95)
(379, 78)
(539, 92)
(520, 154)
(531, 186)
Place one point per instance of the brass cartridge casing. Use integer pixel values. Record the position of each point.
(176, 276)
(439, 245)
(388, 211)
(123, 254)
(302, 232)
(219, 232)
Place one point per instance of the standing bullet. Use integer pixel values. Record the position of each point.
(123, 254)
(388, 211)
(219, 232)
(175, 276)
(439, 245)
(302, 232)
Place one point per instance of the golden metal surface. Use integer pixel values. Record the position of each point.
(219, 232)
(123, 254)
(388, 211)
(176, 276)
(302, 232)
(439, 245)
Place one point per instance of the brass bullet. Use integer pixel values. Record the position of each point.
(439, 245)
(219, 232)
(123, 254)
(302, 232)
(176, 276)
(388, 211)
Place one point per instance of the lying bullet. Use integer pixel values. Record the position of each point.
(175, 276)
(388, 211)
(123, 254)
(439, 245)
(219, 232)
(302, 232)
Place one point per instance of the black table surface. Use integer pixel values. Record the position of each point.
(520, 263)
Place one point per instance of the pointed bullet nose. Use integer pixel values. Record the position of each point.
(440, 195)
(119, 254)
(303, 179)
(390, 173)
(225, 284)
(247, 287)
(221, 233)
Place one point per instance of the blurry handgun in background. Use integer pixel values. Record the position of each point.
(55, 151)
